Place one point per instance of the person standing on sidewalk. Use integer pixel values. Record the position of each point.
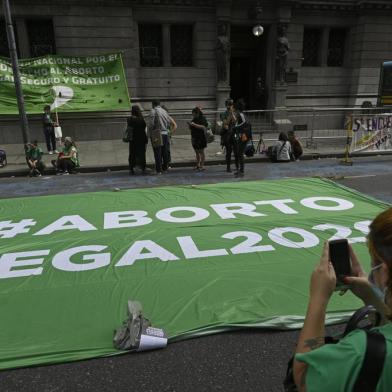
(227, 140)
(48, 126)
(138, 141)
(171, 130)
(240, 137)
(160, 119)
(198, 127)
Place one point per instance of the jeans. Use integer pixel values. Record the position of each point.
(50, 138)
(165, 152)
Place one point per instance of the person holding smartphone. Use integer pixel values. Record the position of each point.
(334, 367)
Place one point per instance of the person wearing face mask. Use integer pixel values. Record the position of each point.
(335, 367)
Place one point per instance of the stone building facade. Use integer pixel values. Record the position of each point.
(198, 52)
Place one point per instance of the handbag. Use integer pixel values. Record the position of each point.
(58, 134)
(155, 134)
(209, 135)
(128, 134)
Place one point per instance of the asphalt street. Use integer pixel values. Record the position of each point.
(246, 360)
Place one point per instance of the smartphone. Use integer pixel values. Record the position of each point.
(339, 255)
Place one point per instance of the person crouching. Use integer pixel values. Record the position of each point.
(68, 159)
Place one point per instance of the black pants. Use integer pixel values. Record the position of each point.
(50, 138)
(239, 148)
(66, 165)
(229, 150)
(137, 155)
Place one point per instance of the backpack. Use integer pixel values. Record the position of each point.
(3, 158)
(249, 149)
(374, 356)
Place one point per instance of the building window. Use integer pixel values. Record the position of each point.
(41, 37)
(336, 44)
(181, 44)
(311, 47)
(4, 50)
(150, 45)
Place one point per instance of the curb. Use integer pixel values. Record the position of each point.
(99, 169)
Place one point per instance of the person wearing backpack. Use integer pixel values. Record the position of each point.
(339, 367)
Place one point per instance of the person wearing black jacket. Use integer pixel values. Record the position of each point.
(227, 118)
(138, 140)
(240, 137)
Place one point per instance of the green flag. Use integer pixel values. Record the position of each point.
(198, 258)
(67, 84)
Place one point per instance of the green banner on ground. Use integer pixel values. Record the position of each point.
(66, 83)
(199, 259)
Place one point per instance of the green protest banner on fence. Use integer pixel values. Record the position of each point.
(200, 259)
(67, 83)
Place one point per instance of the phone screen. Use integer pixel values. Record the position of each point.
(339, 255)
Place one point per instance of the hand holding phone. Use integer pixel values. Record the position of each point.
(339, 254)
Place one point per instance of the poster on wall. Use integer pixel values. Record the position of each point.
(67, 83)
(372, 133)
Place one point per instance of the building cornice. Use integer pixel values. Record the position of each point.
(183, 3)
(344, 5)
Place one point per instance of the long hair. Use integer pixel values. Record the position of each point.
(283, 137)
(197, 112)
(69, 140)
(135, 111)
(380, 244)
(239, 105)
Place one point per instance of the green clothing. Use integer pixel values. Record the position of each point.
(335, 367)
(72, 150)
(34, 154)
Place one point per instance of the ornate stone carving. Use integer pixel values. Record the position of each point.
(222, 51)
(282, 51)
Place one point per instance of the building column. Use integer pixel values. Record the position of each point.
(280, 64)
(166, 45)
(223, 52)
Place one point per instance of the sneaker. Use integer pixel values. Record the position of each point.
(50, 152)
(56, 152)
(66, 172)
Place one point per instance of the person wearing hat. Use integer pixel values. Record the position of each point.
(68, 159)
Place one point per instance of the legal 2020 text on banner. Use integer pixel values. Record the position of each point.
(202, 258)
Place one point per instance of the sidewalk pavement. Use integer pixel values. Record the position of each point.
(104, 155)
